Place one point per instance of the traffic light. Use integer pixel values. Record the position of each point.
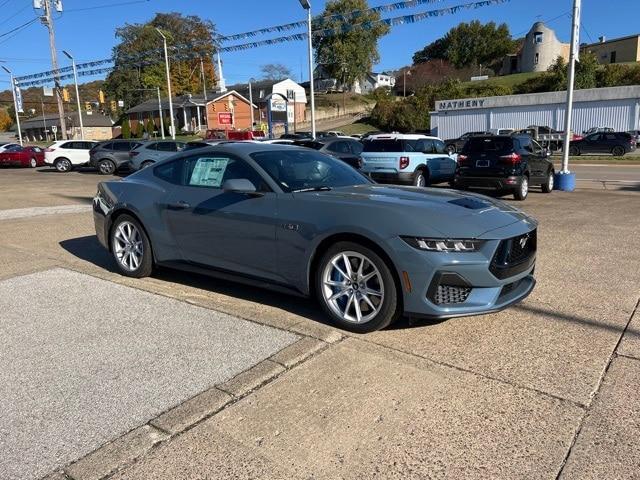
(114, 106)
(226, 107)
(87, 106)
(101, 96)
(65, 94)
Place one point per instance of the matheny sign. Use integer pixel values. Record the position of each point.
(460, 104)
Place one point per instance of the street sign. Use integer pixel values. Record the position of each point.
(278, 105)
(47, 91)
(54, 128)
(225, 118)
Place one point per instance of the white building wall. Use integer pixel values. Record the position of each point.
(620, 115)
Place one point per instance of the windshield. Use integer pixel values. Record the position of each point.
(488, 144)
(294, 169)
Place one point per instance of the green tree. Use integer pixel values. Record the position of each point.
(348, 54)
(470, 44)
(126, 128)
(139, 58)
(150, 127)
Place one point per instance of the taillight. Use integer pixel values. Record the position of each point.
(462, 159)
(49, 149)
(404, 162)
(512, 159)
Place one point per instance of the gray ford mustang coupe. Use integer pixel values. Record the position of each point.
(301, 221)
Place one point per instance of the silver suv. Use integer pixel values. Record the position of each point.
(109, 156)
(152, 152)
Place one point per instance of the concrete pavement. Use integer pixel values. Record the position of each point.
(547, 389)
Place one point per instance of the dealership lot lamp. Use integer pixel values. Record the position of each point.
(307, 6)
(15, 102)
(166, 64)
(565, 180)
(75, 79)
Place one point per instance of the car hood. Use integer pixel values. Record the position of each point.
(427, 211)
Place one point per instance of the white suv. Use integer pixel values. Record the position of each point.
(66, 154)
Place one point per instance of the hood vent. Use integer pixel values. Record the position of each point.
(470, 203)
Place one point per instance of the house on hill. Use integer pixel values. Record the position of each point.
(539, 50)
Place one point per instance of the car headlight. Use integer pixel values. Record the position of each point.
(444, 244)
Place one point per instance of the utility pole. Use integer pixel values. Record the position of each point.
(47, 21)
(166, 63)
(75, 79)
(204, 80)
(160, 112)
(566, 180)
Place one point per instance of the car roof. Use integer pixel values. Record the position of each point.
(400, 136)
(247, 148)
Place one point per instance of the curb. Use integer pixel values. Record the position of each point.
(130, 447)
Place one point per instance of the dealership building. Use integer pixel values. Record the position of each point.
(615, 107)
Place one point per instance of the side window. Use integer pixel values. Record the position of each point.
(165, 147)
(439, 146)
(121, 146)
(356, 147)
(427, 146)
(68, 145)
(153, 146)
(169, 172)
(213, 170)
(85, 145)
(527, 146)
(339, 147)
(37, 149)
(107, 146)
(180, 146)
(537, 149)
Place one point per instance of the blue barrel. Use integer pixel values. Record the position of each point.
(564, 181)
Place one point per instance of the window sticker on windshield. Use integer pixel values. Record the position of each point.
(208, 172)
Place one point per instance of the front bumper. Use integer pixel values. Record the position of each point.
(102, 220)
(470, 283)
(493, 183)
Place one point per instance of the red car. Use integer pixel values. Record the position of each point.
(18, 156)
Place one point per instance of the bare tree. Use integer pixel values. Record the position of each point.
(275, 71)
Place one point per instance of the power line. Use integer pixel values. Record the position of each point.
(26, 24)
(96, 7)
(6, 20)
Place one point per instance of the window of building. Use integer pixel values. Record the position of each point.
(536, 59)
(612, 58)
(537, 37)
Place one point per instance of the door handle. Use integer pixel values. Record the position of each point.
(180, 205)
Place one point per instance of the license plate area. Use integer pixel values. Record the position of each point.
(482, 163)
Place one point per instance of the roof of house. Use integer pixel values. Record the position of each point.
(587, 45)
(51, 119)
(185, 100)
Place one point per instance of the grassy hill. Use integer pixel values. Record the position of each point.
(509, 81)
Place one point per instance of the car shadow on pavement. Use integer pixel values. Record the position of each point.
(90, 250)
(77, 198)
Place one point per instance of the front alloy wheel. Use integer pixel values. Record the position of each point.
(106, 167)
(547, 186)
(356, 288)
(131, 248)
(33, 163)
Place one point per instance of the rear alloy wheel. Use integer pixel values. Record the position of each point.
(617, 151)
(33, 163)
(106, 167)
(574, 151)
(420, 178)
(547, 186)
(523, 190)
(131, 248)
(62, 165)
(356, 288)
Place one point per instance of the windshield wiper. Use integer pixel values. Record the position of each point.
(313, 189)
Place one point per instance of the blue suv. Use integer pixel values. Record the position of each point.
(408, 159)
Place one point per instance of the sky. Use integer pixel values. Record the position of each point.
(86, 28)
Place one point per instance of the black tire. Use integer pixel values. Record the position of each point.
(421, 178)
(33, 163)
(389, 308)
(451, 149)
(618, 151)
(106, 167)
(63, 165)
(574, 151)
(146, 164)
(522, 191)
(145, 267)
(547, 186)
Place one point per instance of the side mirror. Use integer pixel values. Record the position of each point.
(239, 185)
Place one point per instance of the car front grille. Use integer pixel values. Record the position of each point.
(514, 255)
(448, 294)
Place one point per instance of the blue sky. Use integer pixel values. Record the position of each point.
(88, 32)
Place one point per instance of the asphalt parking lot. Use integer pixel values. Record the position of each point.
(182, 376)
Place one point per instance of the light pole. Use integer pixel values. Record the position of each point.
(75, 79)
(307, 6)
(566, 180)
(251, 80)
(166, 62)
(15, 102)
